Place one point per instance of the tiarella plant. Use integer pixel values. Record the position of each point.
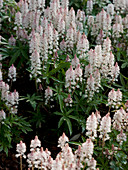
(73, 59)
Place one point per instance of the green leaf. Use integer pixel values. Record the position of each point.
(122, 80)
(24, 54)
(73, 117)
(69, 125)
(60, 122)
(6, 150)
(75, 143)
(118, 56)
(71, 110)
(14, 57)
(124, 65)
(58, 113)
(55, 79)
(61, 103)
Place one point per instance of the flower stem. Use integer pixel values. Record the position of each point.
(20, 162)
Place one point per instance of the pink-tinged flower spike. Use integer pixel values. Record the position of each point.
(32, 159)
(67, 58)
(117, 29)
(57, 164)
(35, 143)
(105, 127)
(88, 70)
(4, 91)
(70, 39)
(10, 101)
(55, 41)
(21, 149)
(106, 46)
(48, 95)
(34, 43)
(87, 149)
(68, 101)
(91, 126)
(41, 159)
(111, 61)
(2, 115)
(97, 80)
(1, 77)
(89, 6)
(112, 98)
(115, 72)
(70, 78)
(82, 46)
(16, 97)
(24, 8)
(62, 140)
(69, 158)
(119, 119)
(98, 51)
(91, 164)
(44, 47)
(78, 74)
(110, 9)
(90, 88)
(75, 61)
(71, 15)
(121, 137)
(12, 41)
(63, 45)
(18, 19)
(92, 57)
(35, 65)
(50, 38)
(12, 73)
(65, 4)
(90, 21)
(41, 4)
(61, 28)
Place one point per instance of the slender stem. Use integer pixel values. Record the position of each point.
(20, 162)
(41, 165)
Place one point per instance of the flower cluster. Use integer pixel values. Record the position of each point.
(114, 98)
(120, 120)
(21, 149)
(38, 158)
(96, 128)
(48, 95)
(12, 73)
(11, 99)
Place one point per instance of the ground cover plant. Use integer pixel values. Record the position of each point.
(63, 69)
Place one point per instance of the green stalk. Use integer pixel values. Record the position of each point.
(20, 162)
